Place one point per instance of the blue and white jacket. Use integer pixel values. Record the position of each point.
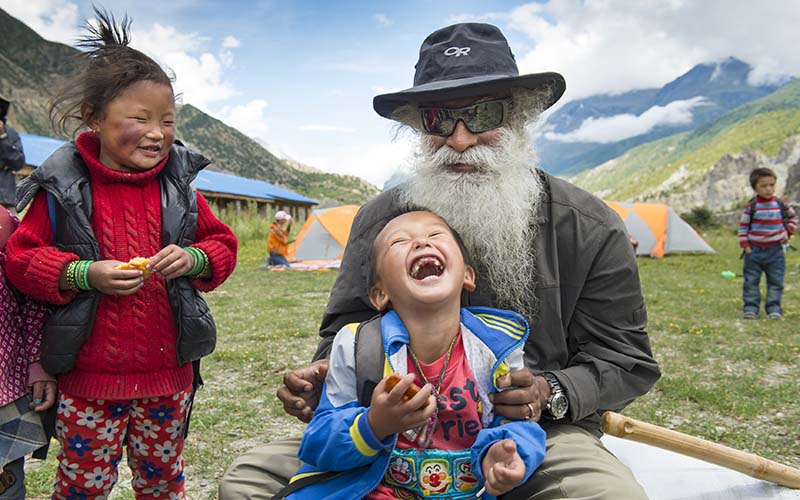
(339, 437)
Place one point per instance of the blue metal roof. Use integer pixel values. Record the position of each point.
(218, 182)
(38, 148)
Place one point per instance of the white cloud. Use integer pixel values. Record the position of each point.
(374, 162)
(380, 89)
(199, 73)
(230, 42)
(383, 20)
(247, 118)
(55, 20)
(327, 128)
(617, 45)
(488, 17)
(619, 127)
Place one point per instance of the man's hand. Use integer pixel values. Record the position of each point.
(389, 414)
(302, 388)
(502, 467)
(44, 395)
(525, 400)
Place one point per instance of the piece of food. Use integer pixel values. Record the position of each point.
(412, 390)
(137, 264)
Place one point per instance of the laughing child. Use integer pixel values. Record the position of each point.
(444, 441)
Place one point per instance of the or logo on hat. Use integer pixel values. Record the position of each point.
(457, 51)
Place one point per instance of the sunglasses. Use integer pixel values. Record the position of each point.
(480, 117)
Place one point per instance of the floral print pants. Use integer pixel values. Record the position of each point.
(92, 433)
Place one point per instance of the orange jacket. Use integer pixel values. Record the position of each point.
(278, 241)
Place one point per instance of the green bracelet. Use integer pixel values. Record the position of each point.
(82, 275)
(204, 270)
(198, 262)
(199, 258)
(79, 276)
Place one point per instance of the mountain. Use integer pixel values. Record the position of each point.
(701, 95)
(233, 152)
(32, 67)
(708, 166)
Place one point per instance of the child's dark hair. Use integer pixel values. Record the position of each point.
(760, 172)
(108, 67)
(372, 261)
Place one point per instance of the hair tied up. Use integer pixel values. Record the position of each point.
(105, 33)
(107, 67)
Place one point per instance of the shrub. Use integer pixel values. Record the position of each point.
(700, 218)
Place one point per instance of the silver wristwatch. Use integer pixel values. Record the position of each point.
(557, 403)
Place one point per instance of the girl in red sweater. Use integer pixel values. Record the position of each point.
(124, 344)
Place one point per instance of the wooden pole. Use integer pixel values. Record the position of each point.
(740, 461)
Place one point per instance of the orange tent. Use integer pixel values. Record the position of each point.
(658, 229)
(322, 238)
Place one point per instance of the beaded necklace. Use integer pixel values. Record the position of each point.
(424, 435)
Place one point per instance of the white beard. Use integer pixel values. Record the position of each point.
(492, 209)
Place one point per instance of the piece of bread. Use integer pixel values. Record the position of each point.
(137, 264)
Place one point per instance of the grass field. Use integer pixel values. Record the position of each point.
(724, 379)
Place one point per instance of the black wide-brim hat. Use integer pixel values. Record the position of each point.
(467, 60)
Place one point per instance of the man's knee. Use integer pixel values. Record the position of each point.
(577, 465)
(261, 472)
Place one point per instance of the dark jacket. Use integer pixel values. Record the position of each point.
(12, 159)
(65, 176)
(590, 326)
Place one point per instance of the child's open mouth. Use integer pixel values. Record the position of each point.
(155, 148)
(426, 267)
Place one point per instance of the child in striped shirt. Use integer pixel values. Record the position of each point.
(767, 223)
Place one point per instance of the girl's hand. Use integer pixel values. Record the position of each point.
(502, 467)
(171, 262)
(44, 395)
(389, 414)
(106, 279)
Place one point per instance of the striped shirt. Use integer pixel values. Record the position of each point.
(762, 224)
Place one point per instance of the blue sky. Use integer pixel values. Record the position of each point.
(299, 76)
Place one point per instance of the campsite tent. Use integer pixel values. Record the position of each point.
(656, 226)
(323, 237)
(658, 229)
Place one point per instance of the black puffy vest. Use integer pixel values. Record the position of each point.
(66, 177)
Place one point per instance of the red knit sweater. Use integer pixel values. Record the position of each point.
(131, 351)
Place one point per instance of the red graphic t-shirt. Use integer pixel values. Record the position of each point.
(459, 419)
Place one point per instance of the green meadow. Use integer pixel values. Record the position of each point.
(724, 379)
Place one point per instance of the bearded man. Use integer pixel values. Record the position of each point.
(541, 247)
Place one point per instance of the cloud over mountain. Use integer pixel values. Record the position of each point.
(622, 126)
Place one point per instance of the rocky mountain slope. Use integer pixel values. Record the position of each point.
(33, 67)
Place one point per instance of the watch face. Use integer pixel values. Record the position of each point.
(559, 405)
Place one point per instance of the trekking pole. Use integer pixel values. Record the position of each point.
(740, 461)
